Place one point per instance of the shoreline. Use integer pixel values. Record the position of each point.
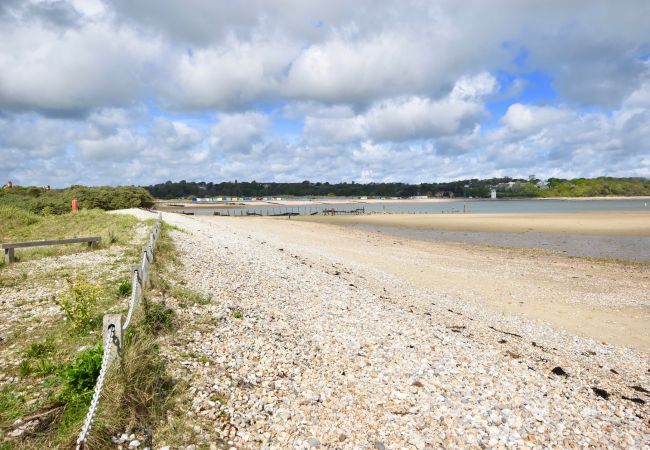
(599, 299)
(162, 205)
(615, 249)
(613, 223)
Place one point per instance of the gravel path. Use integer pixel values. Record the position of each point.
(332, 354)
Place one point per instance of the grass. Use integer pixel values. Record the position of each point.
(58, 368)
(19, 225)
(56, 365)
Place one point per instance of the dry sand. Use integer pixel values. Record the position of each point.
(598, 223)
(605, 301)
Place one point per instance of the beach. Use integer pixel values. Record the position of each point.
(589, 223)
(324, 335)
(597, 299)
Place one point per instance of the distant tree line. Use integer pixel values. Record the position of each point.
(506, 187)
(184, 189)
(58, 201)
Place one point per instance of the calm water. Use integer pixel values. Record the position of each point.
(473, 206)
(627, 248)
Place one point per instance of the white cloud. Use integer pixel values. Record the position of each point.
(238, 132)
(73, 71)
(228, 76)
(124, 145)
(174, 135)
(531, 118)
(408, 118)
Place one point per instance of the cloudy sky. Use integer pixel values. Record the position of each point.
(143, 91)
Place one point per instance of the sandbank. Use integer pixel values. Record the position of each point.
(613, 223)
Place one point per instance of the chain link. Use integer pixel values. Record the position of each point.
(98, 389)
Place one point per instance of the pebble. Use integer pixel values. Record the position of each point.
(365, 352)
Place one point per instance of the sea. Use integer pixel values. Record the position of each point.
(477, 206)
(625, 248)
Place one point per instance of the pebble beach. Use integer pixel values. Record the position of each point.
(302, 348)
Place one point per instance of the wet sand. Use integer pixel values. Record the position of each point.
(584, 223)
(624, 248)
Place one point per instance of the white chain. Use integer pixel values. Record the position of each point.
(98, 389)
(134, 295)
(135, 285)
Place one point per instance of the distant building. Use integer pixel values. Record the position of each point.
(493, 194)
(444, 194)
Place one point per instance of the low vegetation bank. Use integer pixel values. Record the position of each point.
(58, 201)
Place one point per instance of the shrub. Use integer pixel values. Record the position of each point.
(124, 288)
(79, 301)
(79, 377)
(58, 201)
(13, 217)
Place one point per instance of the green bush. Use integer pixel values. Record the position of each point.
(124, 288)
(14, 219)
(79, 302)
(79, 377)
(58, 201)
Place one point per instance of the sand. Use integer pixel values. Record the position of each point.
(604, 301)
(319, 336)
(585, 223)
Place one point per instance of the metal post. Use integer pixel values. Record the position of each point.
(116, 348)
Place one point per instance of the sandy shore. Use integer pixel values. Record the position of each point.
(325, 336)
(597, 223)
(607, 302)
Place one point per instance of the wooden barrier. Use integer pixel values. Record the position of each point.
(10, 246)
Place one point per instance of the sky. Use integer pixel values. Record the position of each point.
(143, 91)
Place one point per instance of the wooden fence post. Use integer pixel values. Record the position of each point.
(9, 256)
(117, 342)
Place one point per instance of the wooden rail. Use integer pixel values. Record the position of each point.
(10, 246)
